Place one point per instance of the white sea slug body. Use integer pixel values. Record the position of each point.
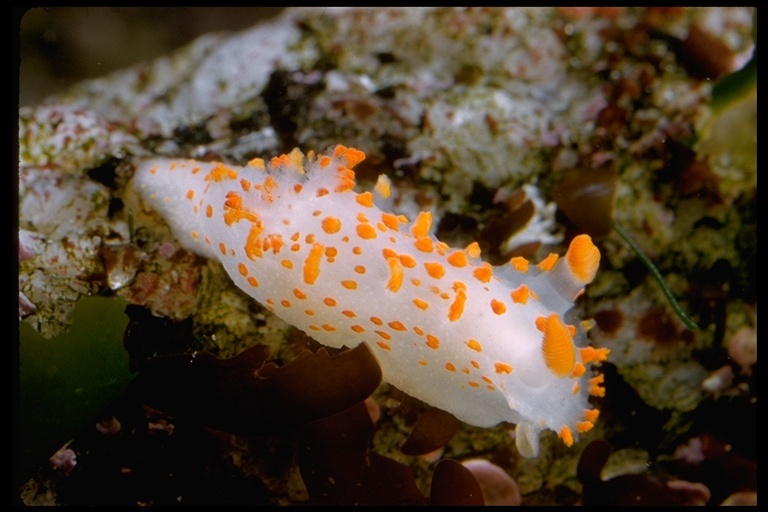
(487, 344)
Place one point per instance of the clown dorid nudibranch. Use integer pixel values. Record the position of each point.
(487, 344)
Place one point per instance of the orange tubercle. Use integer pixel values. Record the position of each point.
(396, 274)
(422, 224)
(583, 258)
(566, 435)
(557, 345)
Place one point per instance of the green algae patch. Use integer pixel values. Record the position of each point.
(66, 381)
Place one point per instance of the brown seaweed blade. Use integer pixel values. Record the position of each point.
(243, 395)
(433, 430)
(453, 484)
(338, 469)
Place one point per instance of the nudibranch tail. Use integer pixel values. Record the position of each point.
(488, 344)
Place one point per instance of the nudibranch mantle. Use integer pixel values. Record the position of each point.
(487, 344)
